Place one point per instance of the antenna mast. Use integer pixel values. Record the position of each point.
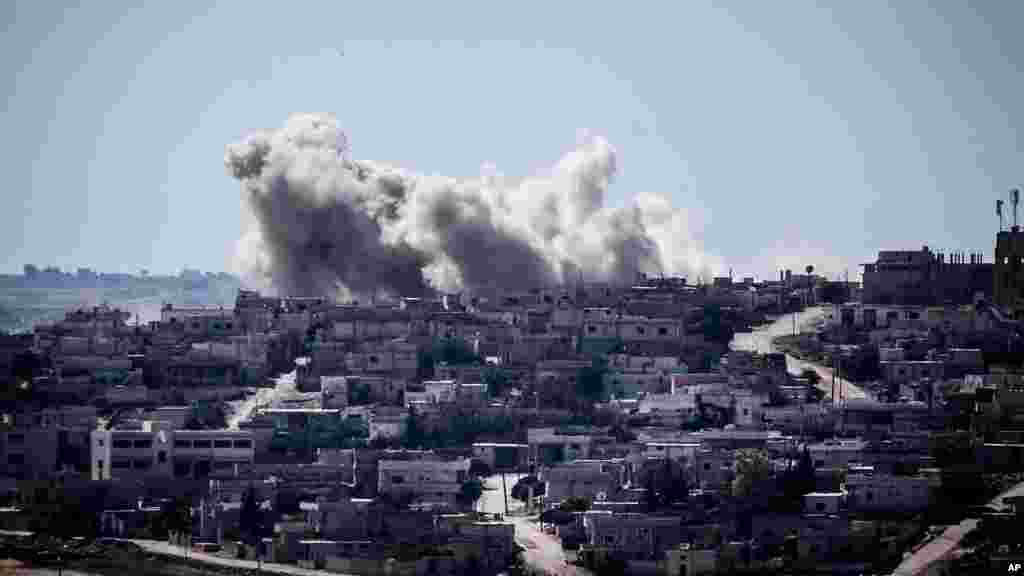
(999, 212)
(1015, 200)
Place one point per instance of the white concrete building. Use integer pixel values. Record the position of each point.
(824, 502)
(422, 476)
(837, 453)
(872, 492)
(158, 449)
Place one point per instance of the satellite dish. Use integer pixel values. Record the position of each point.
(601, 497)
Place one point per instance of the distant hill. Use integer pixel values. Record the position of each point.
(24, 303)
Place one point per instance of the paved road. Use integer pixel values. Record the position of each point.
(493, 499)
(943, 545)
(541, 551)
(159, 547)
(760, 340)
(241, 410)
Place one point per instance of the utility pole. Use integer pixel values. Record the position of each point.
(504, 491)
(834, 398)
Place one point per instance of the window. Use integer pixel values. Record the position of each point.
(640, 330)
(15, 459)
(869, 497)
(142, 464)
(707, 466)
(820, 506)
(142, 443)
(15, 438)
(662, 331)
(122, 443)
(591, 329)
(99, 466)
(121, 464)
(374, 359)
(195, 325)
(397, 480)
(182, 444)
(161, 457)
(228, 326)
(222, 443)
(201, 444)
(243, 443)
(100, 442)
(609, 539)
(220, 465)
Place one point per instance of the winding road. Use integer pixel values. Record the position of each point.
(760, 340)
(541, 551)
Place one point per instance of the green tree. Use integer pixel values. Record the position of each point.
(590, 381)
(176, 515)
(424, 365)
(575, 504)
(415, 436)
(251, 519)
(479, 469)
(666, 484)
(454, 351)
(800, 480)
(471, 491)
(753, 470)
(358, 394)
(811, 375)
(496, 380)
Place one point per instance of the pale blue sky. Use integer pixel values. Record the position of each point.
(798, 132)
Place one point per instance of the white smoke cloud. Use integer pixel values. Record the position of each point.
(320, 223)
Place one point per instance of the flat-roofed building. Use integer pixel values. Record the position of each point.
(158, 450)
(422, 476)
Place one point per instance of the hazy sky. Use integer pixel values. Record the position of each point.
(796, 132)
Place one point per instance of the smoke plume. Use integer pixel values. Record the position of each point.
(320, 223)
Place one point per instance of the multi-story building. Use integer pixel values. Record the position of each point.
(158, 450)
(501, 455)
(200, 321)
(634, 537)
(797, 418)
(360, 324)
(873, 492)
(1008, 285)
(422, 476)
(303, 430)
(392, 358)
(358, 389)
(431, 392)
(388, 422)
(860, 418)
(837, 453)
(29, 453)
(926, 278)
(120, 454)
(77, 417)
(590, 479)
(552, 445)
